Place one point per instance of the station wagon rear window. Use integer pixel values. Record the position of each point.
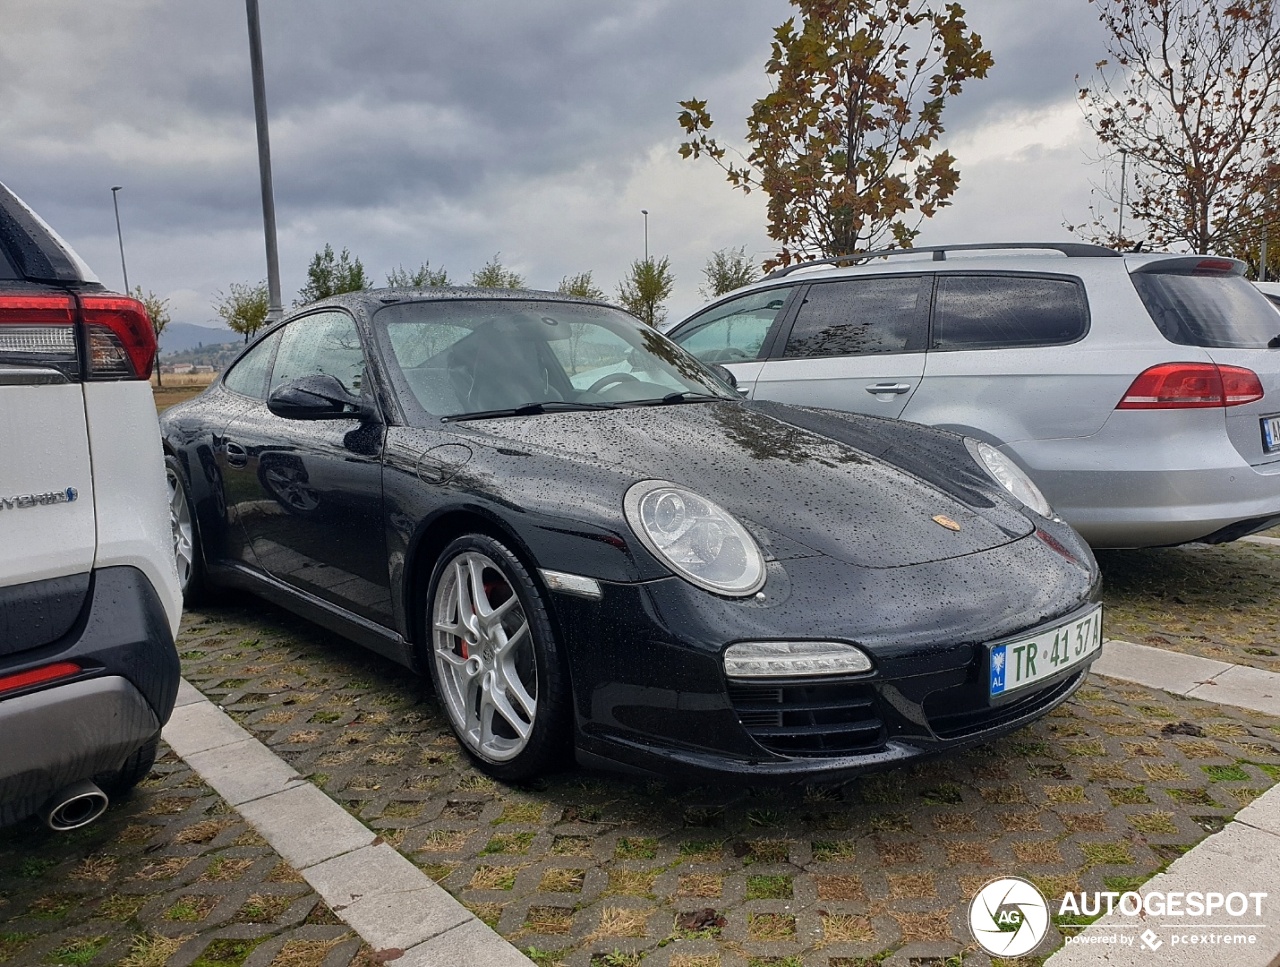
(1214, 311)
(1007, 311)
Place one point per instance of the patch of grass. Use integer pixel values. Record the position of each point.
(1191, 797)
(33, 868)
(227, 953)
(562, 881)
(487, 913)
(846, 928)
(702, 851)
(769, 888)
(1106, 854)
(189, 909)
(766, 927)
(840, 850)
(151, 950)
(767, 851)
(635, 849)
(1123, 884)
(1155, 823)
(621, 922)
(1064, 794)
(616, 958)
(494, 877)
(263, 908)
(520, 812)
(631, 883)
(545, 958)
(54, 906)
(11, 943)
(122, 907)
(1232, 773)
(509, 843)
(1128, 796)
(78, 952)
(1164, 771)
(549, 920)
(946, 794)
(891, 823)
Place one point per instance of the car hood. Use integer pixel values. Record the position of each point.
(800, 491)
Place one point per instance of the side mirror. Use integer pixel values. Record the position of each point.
(320, 397)
(725, 373)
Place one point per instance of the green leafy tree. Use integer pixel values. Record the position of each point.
(495, 276)
(330, 274)
(158, 313)
(646, 288)
(726, 270)
(580, 285)
(244, 307)
(1189, 95)
(844, 146)
(424, 278)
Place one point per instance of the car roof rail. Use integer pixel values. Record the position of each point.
(1072, 250)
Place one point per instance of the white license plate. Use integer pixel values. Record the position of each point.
(1017, 664)
(1270, 434)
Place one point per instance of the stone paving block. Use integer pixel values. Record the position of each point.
(305, 826)
(1243, 687)
(1264, 813)
(1155, 667)
(245, 771)
(199, 727)
(188, 694)
(472, 944)
(385, 897)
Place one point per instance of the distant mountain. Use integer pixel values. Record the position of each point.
(178, 337)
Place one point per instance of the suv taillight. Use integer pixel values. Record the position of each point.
(38, 330)
(1177, 386)
(119, 337)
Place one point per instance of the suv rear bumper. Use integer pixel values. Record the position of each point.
(61, 735)
(91, 723)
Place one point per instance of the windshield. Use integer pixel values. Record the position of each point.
(485, 356)
(1214, 311)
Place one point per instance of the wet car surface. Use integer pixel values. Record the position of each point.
(581, 533)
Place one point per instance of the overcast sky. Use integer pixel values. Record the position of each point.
(413, 130)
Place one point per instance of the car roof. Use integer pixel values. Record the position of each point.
(372, 300)
(33, 249)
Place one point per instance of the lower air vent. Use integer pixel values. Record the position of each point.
(828, 718)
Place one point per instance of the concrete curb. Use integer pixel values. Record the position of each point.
(387, 900)
(1242, 858)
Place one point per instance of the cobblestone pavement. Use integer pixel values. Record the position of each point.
(591, 869)
(171, 876)
(1214, 601)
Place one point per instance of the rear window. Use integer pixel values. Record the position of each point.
(1214, 311)
(1003, 311)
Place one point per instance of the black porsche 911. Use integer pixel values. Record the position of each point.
(586, 537)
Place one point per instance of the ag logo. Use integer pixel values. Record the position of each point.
(1008, 917)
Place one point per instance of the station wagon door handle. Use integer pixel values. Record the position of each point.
(878, 388)
(237, 456)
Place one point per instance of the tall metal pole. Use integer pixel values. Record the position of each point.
(1262, 260)
(120, 237)
(645, 213)
(274, 310)
(1124, 157)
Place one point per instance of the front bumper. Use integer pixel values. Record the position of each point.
(91, 722)
(651, 694)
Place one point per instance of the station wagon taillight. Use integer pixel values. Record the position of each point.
(41, 330)
(1177, 386)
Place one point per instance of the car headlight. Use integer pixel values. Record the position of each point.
(1009, 476)
(701, 542)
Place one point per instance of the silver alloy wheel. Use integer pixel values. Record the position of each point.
(484, 655)
(180, 522)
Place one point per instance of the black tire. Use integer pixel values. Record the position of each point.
(136, 768)
(191, 579)
(534, 657)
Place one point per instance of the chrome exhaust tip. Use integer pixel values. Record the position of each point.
(77, 805)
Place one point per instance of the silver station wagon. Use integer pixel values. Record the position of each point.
(1141, 392)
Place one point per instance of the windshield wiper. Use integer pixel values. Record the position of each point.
(684, 397)
(529, 409)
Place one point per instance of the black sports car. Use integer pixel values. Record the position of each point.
(583, 533)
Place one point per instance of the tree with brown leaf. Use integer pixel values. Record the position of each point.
(844, 146)
(1190, 92)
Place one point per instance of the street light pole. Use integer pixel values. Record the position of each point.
(120, 238)
(274, 310)
(645, 213)
(1124, 158)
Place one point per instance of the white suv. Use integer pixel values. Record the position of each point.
(1141, 392)
(89, 598)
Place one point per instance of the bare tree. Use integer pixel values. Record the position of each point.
(844, 146)
(1190, 94)
(158, 313)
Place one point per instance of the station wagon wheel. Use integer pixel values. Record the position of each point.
(186, 540)
(497, 671)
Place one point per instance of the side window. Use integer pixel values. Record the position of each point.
(736, 330)
(249, 374)
(856, 317)
(325, 343)
(995, 312)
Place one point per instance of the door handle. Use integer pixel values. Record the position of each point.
(877, 388)
(237, 456)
